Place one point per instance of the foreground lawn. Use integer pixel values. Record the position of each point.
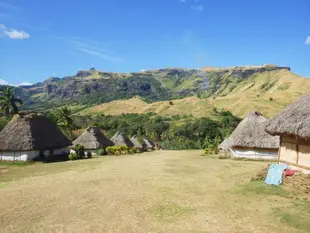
(161, 191)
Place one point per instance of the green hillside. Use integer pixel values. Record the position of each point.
(265, 88)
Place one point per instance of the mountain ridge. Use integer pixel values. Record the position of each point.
(268, 88)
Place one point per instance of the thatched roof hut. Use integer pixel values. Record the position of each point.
(250, 133)
(225, 145)
(294, 120)
(121, 139)
(149, 143)
(32, 132)
(93, 139)
(139, 144)
(293, 127)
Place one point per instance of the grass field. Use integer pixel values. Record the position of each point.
(161, 191)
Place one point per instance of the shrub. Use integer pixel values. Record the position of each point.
(110, 150)
(119, 150)
(124, 149)
(211, 145)
(270, 99)
(72, 156)
(132, 150)
(101, 152)
(79, 150)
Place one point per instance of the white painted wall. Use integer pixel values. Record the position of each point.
(93, 152)
(18, 155)
(27, 155)
(254, 154)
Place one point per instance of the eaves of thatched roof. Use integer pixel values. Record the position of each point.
(120, 139)
(28, 132)
(250, 133)
(294, 120)
(138, 144)
(93, 139)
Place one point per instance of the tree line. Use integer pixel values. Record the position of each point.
(171, 132)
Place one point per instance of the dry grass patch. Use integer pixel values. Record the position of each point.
(160, 191)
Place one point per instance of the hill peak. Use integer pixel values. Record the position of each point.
(262, 68)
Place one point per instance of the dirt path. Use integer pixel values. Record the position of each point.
(162, 191)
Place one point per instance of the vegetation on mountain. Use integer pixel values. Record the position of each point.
(235, 89)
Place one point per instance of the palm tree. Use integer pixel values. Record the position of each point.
(63, 118)
(8, 102)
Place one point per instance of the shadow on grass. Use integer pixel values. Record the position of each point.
(169, 211)
(297, 217)
(260, 188)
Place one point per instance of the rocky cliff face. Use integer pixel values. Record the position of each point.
(94, 87)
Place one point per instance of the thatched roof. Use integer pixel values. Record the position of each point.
(121, 139)
(250, 133)
(226, 144)
(93, 139)
(138, 144)
(149, 143)
(28, 132)
(294, 120)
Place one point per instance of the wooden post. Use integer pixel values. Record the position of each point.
(297, 149)
(279, 151)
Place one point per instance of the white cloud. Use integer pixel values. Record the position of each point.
(13, 33)
(25, 84)
(95, 49)
(198, 7)
(102, 55)
(307, 40)
(3, 82)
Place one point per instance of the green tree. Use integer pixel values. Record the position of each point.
(63, 119)
(9, 102)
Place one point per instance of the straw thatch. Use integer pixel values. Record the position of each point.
(120, 139)
(93, 139)
(32, 132)
(225, 145)
(250, 133)
(149, 143)
(138, 144)
(294, 120)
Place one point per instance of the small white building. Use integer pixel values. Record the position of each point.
(28, 136)
(93, 139)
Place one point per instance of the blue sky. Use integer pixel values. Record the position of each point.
(44, 38)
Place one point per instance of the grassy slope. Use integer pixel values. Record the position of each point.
(252, 94)
(161, 191)
(190, 105)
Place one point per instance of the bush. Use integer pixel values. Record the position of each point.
(119, 150)
(113, 150)
(124, 149)
(72, 156)
(211, 145)
(79, 151)
(132, 150)
(110, 150)
(101, 152)
(270, 99)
